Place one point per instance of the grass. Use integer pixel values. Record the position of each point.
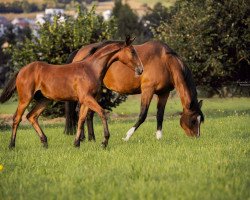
(215, 166)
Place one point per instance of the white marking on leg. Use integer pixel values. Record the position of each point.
(158, 134)
(129, 134)
(199, 122)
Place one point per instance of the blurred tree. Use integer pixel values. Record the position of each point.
(213, 38)
(153, 18)
(127, 21)
(7, 39)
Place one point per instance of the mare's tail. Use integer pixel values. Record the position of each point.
(71, 56)
(70, 108)
(9, 89)
(71, 117)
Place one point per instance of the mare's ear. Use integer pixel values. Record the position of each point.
(129, 40)
(200, 103)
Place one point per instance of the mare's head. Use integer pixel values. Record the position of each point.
(128, 56)
(191, 119)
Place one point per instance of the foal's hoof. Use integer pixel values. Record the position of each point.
(11, 145)
(77, 143)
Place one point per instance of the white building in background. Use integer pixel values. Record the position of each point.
(106, 14)
(49, 14)
(40, 18)
(2, 29)
(3, 25)
(54, 11)
(20, 22)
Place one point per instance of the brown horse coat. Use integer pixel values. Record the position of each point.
(79, 81)
(163, 71)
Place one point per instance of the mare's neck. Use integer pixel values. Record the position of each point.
(186, 88)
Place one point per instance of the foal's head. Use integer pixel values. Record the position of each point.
(191, 119)
(128, 56)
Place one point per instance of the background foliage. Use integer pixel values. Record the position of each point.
(212, 37)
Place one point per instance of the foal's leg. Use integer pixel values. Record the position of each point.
(33, 115)
(22, 105)
(94, 106)
(146, 98)
(162, 100)
(82, 116)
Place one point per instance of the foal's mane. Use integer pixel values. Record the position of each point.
(101, 45)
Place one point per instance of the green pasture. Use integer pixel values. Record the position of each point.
(215, 166)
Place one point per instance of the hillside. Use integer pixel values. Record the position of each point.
(139, 6)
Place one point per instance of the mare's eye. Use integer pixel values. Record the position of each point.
(193, 122)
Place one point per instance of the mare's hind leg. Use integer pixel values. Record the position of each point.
(162, 100)
(91, 134)
(33, 119)
(146, 98)
(22, 105)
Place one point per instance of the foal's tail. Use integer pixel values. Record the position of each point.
(9, 89)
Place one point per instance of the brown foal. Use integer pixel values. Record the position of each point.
(79, 81)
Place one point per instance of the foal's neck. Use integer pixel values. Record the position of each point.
(101, 64)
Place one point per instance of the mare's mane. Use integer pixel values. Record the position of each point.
(188, 77)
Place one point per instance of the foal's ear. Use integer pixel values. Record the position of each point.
(129, 40)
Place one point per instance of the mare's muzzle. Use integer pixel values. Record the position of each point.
(138, 70)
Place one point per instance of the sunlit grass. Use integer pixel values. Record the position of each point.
(215, 166)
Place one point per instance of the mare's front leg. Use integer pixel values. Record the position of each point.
(146, 97)
(162, 100)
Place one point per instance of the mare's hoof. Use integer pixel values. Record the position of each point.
(77, 143)
(45, 145)
(104, 144)
(82, 139)
(91, 139)
(126, 139)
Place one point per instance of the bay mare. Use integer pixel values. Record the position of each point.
(163, 71)
(78, 81)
